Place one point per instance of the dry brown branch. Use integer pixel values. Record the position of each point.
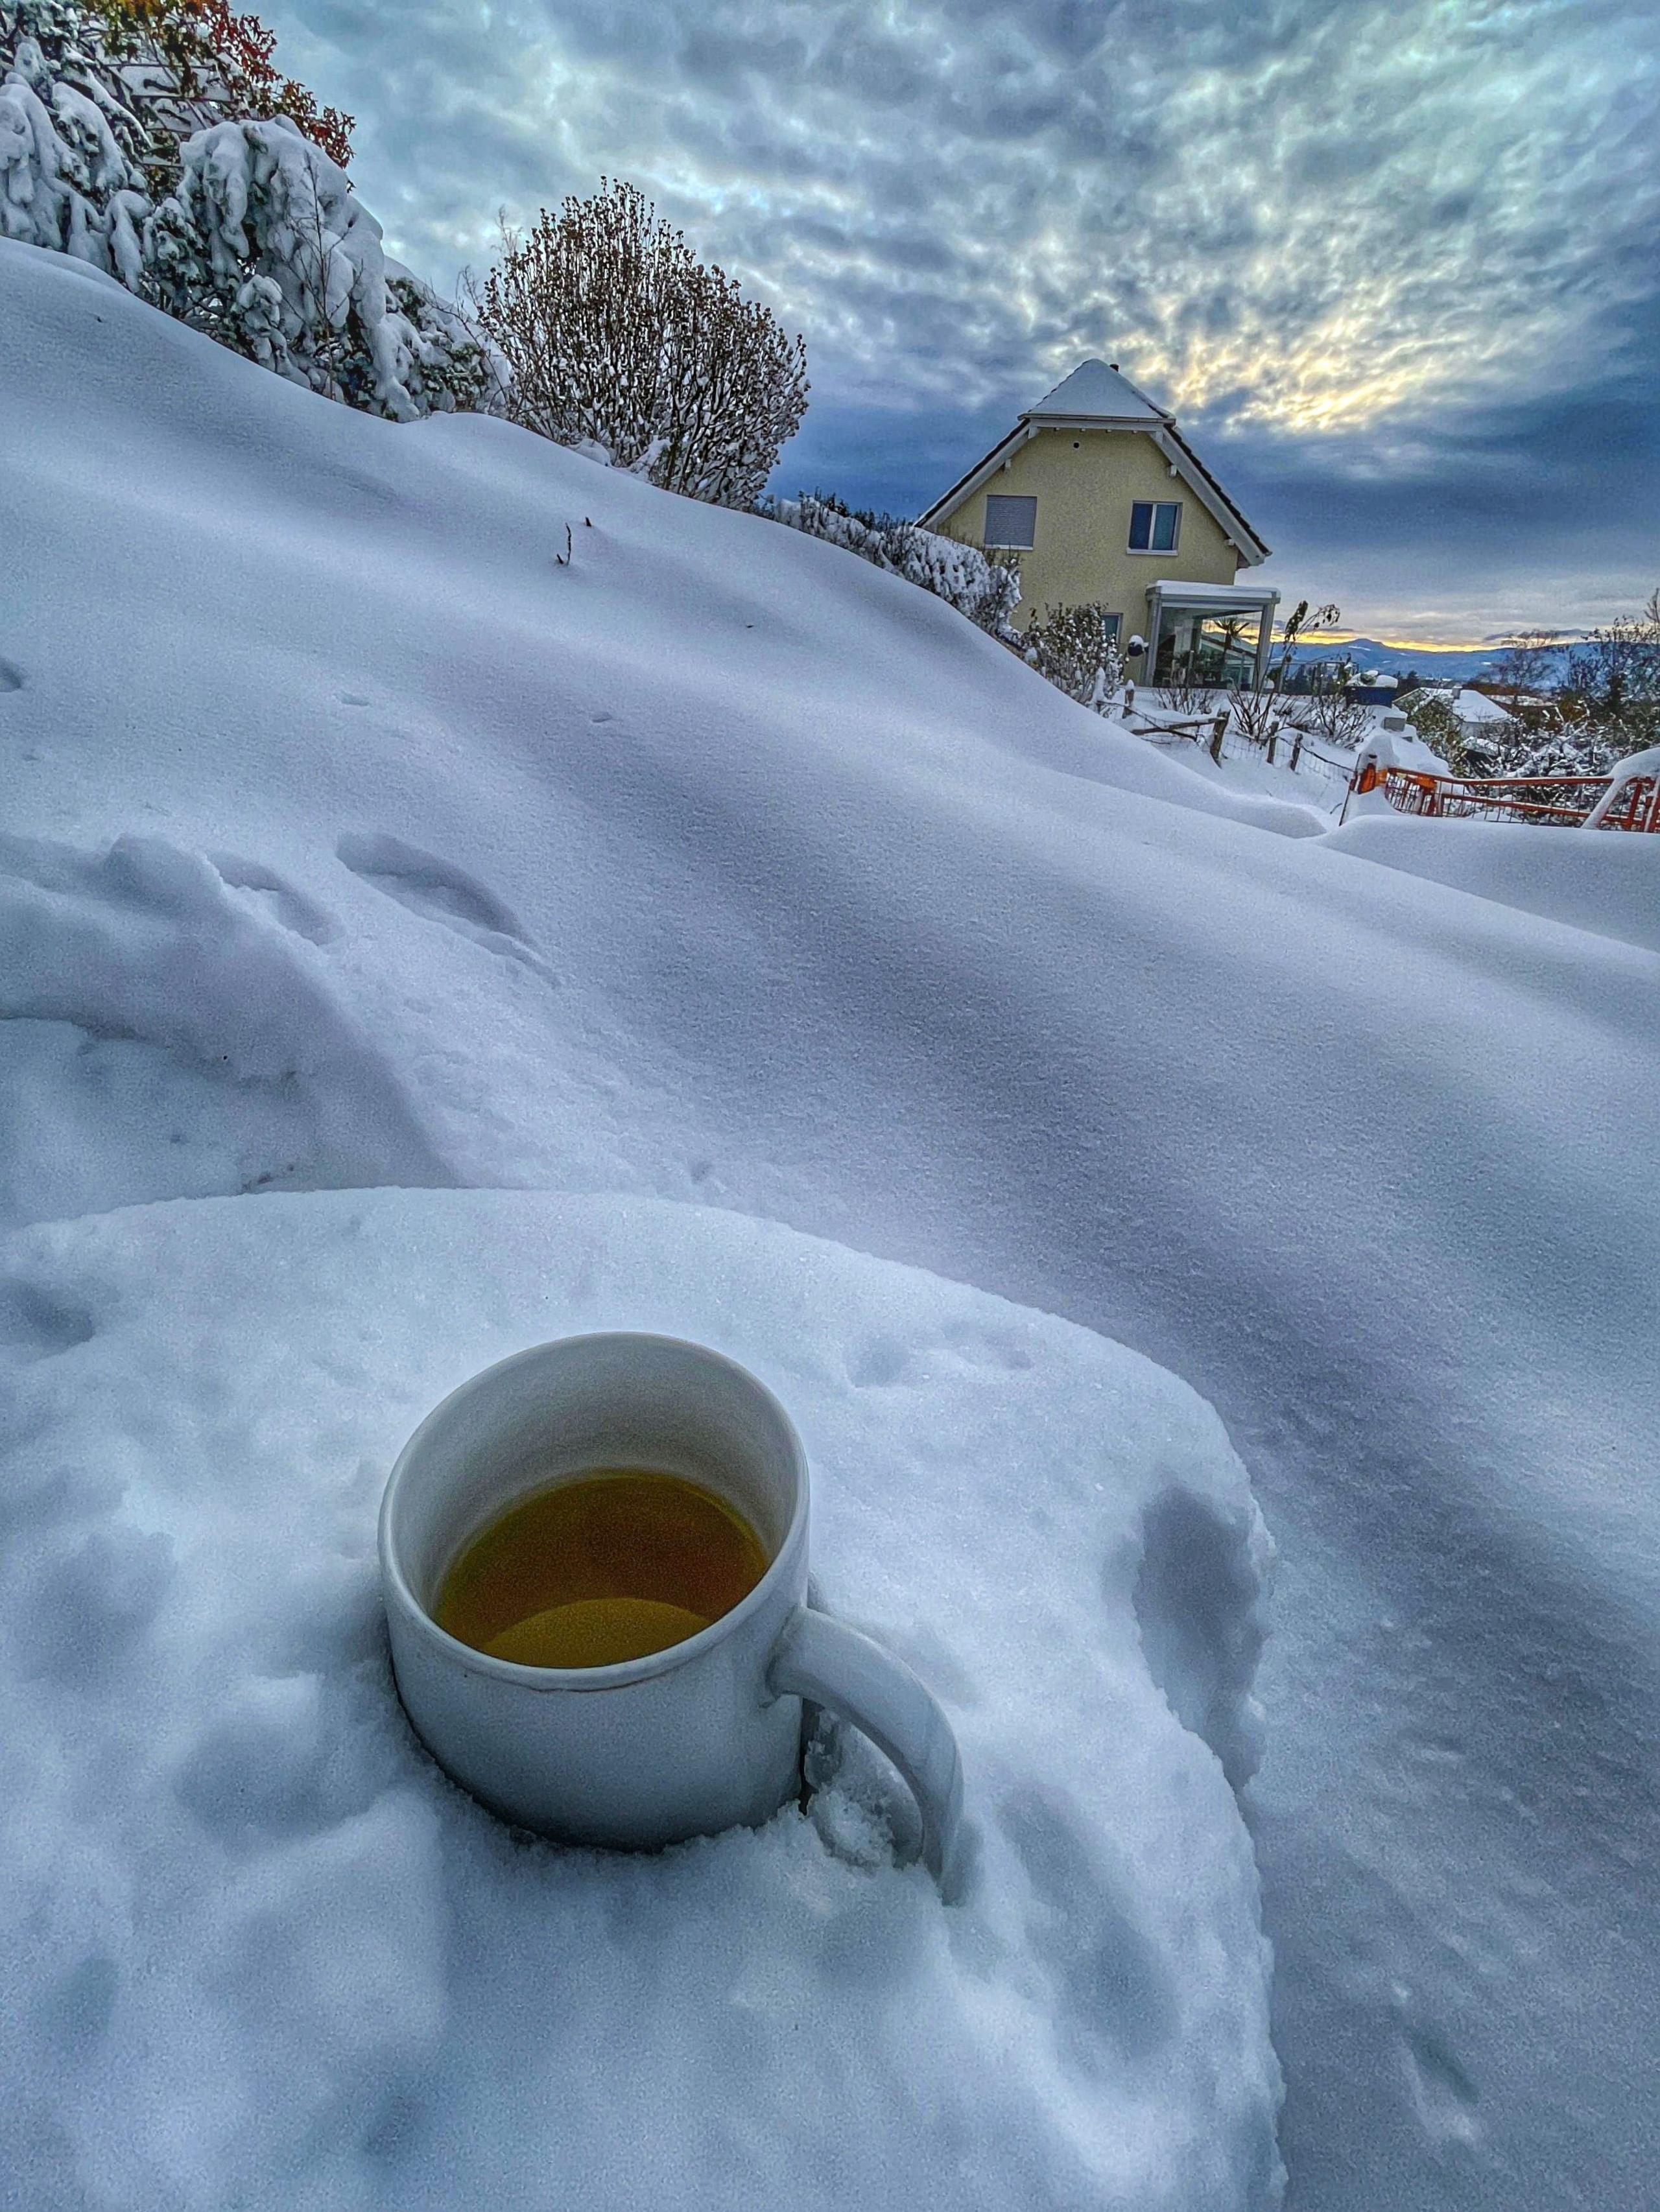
(618, 335)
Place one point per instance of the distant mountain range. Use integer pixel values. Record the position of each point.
(1457, 663)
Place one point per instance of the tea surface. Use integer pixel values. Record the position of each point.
(606, 1566)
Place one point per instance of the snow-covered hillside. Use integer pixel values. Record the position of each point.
(357, 836)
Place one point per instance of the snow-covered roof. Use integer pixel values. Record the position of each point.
(1096, 393)
(1183, 591)
(1476, 707)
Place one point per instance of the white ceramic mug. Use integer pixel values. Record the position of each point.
(686, 1741)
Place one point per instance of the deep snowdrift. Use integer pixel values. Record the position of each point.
(712, 865)
(1598, 880)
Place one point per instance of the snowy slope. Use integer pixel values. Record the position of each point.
(714, 865)
(1603, 882)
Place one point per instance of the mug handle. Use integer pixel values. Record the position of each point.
(822, 1660)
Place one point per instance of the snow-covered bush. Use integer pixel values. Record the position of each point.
(986, 592)
(447, 367)
(257, 238)
(264, 246)
(618, 337)
(1076, 649)
(71, 179)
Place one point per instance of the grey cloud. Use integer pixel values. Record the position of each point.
(1315, 226)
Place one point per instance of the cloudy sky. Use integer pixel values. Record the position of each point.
(1396, 266)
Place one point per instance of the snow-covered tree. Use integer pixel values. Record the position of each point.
(1571, 749)
(191, 64)
(1613, 675)
(618, 337)
(107, 106)
(986, 592)
(447, 367)
(264, 246)
(1431, 716)
(157, 71)
(71, 144)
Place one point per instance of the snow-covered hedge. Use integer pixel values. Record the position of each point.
(984, 591)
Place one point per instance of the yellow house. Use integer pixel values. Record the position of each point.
(1100, 499)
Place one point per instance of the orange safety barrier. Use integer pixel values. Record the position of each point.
(1637, 807)
(1563, 799)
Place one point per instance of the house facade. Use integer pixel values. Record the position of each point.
(1100, 499)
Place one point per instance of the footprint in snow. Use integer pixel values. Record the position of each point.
(168, 1037)
(1115, 1994)
(35, 1325)
(440, 891)
(1443, 2094)
(11, 677)
(266, 892)
(1196, 1605)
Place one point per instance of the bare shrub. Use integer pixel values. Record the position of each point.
(618, 337)
(1181, 691)
(1259, 717)
(1325, 708)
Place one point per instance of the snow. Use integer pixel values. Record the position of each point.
(1633, 768)
(367, 859)
(1411, 752)
(1476, 707)
(1095, 391)
(1181, 591)
(267, 1956)
(1608, 883)
(1396, 744)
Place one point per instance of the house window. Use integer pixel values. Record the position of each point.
(1155, 525)
(1217, 652)
(1114, 626)
(1011, 521)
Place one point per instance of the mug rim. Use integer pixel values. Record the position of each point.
(621, 1672)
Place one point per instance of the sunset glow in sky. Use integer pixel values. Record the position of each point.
(1397, 267)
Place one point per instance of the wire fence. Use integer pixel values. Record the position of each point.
(1618, 801)
(1291, 748)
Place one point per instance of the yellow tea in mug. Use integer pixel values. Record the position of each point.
(602, 1567)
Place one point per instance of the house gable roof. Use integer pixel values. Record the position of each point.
(1096, 395)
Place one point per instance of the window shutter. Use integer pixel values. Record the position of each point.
(1012, 522)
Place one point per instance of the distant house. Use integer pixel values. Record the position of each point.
(1371, 687)
(1477, 711)
(1103, 501)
